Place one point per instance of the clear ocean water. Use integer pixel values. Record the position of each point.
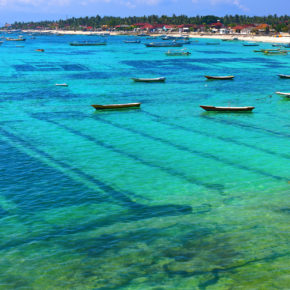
(163, 197)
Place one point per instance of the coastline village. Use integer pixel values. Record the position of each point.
(213, 28)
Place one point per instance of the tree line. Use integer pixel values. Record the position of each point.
(279, 23)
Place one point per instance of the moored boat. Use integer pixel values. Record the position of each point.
(164, 44)
(219, 77)
(62, 85)
(284, 76)
(132, 41)
(40, 50)
(212, 43)
(287, 95)
(227, 109)
(267, 50)
(15, 39)
(116, 106)
(87, 43)
(149, 80)
(281, 52)
(250, 44)
(180, 52)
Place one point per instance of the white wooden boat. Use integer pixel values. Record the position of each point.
(283, 94)
(62, 85)
(149, 80)
(284, 76)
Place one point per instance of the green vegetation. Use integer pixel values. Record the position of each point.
(279, 23)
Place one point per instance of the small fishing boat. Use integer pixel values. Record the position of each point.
(183, 41)
(219, 77)
(116, 106)
(250, 44)
(283, 94)
(132, 41)
(168, 37)
(15, 39)
(267, 50)
(62, 85)
(212, 43)
(277, 45)
(149, 80)
(87, 43)
(281, 52)
(1, 42)
(40, 50)
(164, 44)
(181, 52)
(284, 76)
(287, 45)
(227, 109)
(143, 35)
(230, 39)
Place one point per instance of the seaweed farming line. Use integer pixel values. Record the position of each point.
(225, 139)
(247, 126)
(196, 152)
(168, 170)
(108, 192)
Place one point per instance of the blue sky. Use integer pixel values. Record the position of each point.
(34, 10)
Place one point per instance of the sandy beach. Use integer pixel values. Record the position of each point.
(284, 38)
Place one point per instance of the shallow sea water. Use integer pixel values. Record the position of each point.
(163, 197)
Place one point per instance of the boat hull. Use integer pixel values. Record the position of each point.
(284, 76)
(219, 77)
(145, 80)
(287, 95)
(227, 109)
(164, 44)
(116, 106)
(87, 44)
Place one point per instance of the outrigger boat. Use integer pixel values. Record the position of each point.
(177, 52)
(219, 77)
(227, 109)
(132, 41)
(116, 106)
(270, 50)
(87, 43)
(284, 76)
(230, 39)
(40, 50)
(287, 95)
(281, 52)
(62, 85)
(164, 44)
(15, 39)
(250, 44)
(149, 80)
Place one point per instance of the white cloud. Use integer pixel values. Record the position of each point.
(233, 2)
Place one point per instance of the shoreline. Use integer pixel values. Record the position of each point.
(285, 38)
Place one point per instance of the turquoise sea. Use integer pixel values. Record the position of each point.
(163, 197)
